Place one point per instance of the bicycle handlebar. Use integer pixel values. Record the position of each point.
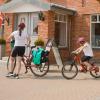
(74, 53)
(28, 45)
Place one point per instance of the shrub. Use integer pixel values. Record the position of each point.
(2, 41)
(39, 42)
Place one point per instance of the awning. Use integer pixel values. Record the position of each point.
(17, 6)
(62, 9)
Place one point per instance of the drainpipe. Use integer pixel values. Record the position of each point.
(2, 30)
(69, 36)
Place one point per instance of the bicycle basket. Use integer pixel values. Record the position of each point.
(37, 54)
(44, 56)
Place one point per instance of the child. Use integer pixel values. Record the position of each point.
(87, 50)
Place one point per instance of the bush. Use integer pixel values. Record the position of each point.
(2, 41)
(39, 42)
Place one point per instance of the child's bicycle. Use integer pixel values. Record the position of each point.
(37, 69)
(70, 71)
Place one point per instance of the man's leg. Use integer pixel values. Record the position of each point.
(12, 67)
(12, 64)
(88, 64)
(19, 66)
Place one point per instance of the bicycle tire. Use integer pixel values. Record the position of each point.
(69, 71)
(95, 73)
(8, 64)
(41, 69)
(25, 64)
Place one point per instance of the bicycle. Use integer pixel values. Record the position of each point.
(70, 71)
(37, 69)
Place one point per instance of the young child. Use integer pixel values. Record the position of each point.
(87, 50)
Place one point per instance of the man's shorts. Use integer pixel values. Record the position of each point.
(85, 58)
(18, 51)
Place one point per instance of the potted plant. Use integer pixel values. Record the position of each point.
(2, 47)
(41, 16)
(39, 42)
(2, 41)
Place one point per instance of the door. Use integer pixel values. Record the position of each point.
(31, 22)
(34, 27)
(24, 18)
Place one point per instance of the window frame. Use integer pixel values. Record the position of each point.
(66, 21)
(93, 22)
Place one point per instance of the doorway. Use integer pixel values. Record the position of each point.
(31, 22)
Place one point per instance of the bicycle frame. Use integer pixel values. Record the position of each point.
(27, 59)
(77, 59)
(70, 71)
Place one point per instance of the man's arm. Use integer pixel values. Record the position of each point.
(9, 37)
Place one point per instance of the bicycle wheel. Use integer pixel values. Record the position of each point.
(40, 70)
(95, 72)
(9, 64)
(69, 71)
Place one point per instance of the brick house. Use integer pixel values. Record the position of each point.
(65, 20)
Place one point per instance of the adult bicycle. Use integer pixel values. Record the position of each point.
(70, 71)
(37, 69)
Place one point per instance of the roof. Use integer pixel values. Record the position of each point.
(17, 6)
(29, 6)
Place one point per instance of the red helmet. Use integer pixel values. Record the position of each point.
(81, 40)
(21, 25)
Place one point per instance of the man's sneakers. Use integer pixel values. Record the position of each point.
(16, 76)
(12, 75)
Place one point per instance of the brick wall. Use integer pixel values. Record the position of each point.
(61, 2)
(46, 30)
(81, 21)
(8, 29)
(1, 2)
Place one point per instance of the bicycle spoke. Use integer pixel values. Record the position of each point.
(40, 70)
(69, 71)
(95, 72)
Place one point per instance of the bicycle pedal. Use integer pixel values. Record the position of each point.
(83, 70)
(96, 69)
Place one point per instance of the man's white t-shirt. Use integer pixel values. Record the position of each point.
(87, 50)
(20, 40)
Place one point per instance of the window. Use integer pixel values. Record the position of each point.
(34, 24)
(61, 30)
(95, 30)
(94, 18)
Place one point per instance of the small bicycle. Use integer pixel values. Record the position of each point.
(37, 69)
(70, 71)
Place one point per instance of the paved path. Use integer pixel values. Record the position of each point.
(51, 87)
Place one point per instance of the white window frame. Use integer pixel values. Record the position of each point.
(58, 20)
(91, 22)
